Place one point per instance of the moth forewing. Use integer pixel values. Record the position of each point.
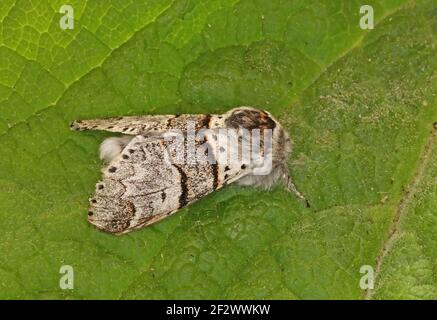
(135, 125)
(134, 190)
(146, 183)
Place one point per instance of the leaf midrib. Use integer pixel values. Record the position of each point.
(402, 208)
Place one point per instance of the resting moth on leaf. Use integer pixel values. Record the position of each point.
(162, 163)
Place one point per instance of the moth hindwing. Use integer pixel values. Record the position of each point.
(165, 162)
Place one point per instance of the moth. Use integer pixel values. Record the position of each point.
(162, 163)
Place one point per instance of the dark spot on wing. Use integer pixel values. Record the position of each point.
(183, 197)
(112, 169)
(130, 210)
(215, 175)
(204, 121)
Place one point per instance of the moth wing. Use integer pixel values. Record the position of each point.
(145, 184)
(135, 125)
(138, 187)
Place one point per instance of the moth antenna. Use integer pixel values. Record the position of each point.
(291, 187)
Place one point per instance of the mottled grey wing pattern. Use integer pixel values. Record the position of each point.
(135, 125)
(141, 186)
(136, 188)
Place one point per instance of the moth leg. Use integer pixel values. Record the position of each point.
(291, 187)
(112, 147)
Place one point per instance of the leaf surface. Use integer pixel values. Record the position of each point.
(359, 104)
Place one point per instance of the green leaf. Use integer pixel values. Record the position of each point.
(359, 104)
